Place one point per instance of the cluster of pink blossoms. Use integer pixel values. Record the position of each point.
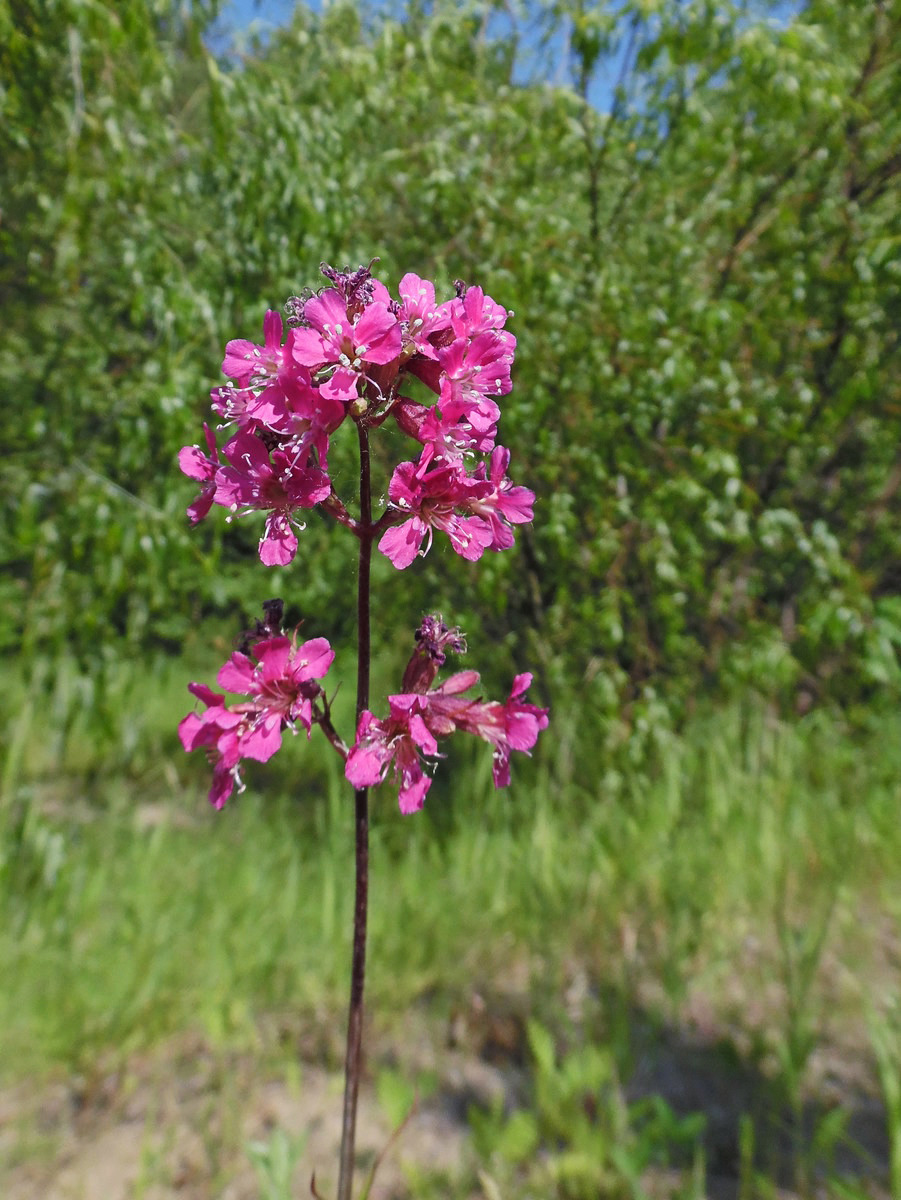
(278, 677)
(346, 355)
(421, 714)
(348, 352)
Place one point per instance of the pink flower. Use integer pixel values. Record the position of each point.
(278, 484)
(294, 410)
(280, 681)
(398, 741)
(474, 313)
(505, 504)
(275, 393)
(335, 337)
(471, 372)
(231, 403)
(475, 511)
(255, 366)
(510, 726)
(449, 438)
(281, 686)
(194, 463)
(417, 718)
(218, 730)
(425, 319)
(431, 490)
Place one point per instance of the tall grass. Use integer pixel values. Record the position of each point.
(749, 851)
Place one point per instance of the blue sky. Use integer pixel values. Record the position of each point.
(274, 12)
(239, 14)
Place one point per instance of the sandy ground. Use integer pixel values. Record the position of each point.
(178, 1122)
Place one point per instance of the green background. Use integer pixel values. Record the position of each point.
(705, 280)
(692, 209)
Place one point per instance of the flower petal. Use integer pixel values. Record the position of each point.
(278, 544)
(401, 543)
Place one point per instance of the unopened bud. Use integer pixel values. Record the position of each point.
(433, 640)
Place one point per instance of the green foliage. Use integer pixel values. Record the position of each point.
(752, 872)
(705, 279)
(397, 1096)
(582, 1139)
(885, 1037)
(275, 1161)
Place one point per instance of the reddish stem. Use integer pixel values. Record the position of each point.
(365, 533)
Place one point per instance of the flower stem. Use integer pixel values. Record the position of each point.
(361, 823)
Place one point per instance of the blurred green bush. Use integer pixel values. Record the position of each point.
(706, 284)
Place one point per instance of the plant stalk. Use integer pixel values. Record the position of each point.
(366, 536)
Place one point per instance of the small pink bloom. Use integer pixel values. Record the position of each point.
(334, 337)
(424, 318)
(511, 726)
(219, 730)
(280, 686)
(295, 409)
(194, 463)
(280, 680)
(471, 372)
(417, 719)
(231, 403)
(251, 365)
(474, 313)
(432, 490)
(505, 504)
(278, 483)
(274, 391)
(396, 741)
(475, 511)
(449, 438)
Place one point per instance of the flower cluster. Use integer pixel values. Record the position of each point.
(422, 713)
(279, 679)
(347, 352)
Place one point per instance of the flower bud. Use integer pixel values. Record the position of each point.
(433, 639)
